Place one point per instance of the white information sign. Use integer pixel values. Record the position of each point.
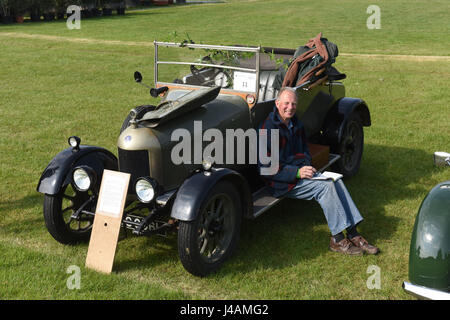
(111, 194)
(107, 220)
(244, 81)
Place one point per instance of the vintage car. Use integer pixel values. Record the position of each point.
(429, 256)
(203, 88)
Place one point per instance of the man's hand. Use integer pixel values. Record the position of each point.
(307, 172)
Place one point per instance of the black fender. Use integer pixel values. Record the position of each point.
(194, 190)
(57, 173)
(336, 118)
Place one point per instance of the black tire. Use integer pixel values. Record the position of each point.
(58, 209)
(351, 146)
(207, 242)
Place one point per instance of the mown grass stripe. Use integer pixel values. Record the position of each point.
(417, 58)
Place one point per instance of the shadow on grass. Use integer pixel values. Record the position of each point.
(295, 230)
(151, 252)
(27, 202)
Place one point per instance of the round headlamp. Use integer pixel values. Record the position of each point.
(207, 164)
(146, 189)
(74, 142)
(83, 178)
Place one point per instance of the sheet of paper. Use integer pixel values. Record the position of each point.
(244, 81)
(327, 175)
(113, 188)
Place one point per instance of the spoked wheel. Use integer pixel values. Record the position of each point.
(351, 146)
(58, 210)
(207, 242)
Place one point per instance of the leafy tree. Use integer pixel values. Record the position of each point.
(48, 5)
(5, 7)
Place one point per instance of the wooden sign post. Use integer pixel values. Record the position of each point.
(107, 221)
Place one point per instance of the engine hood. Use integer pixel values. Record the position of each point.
(152, 140)
(171, 109)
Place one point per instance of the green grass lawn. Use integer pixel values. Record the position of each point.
(51, 88)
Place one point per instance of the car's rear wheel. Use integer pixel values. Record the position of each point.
(207, 242)
(351, 146)
(58, 210)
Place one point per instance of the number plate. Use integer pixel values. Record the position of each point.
(136, 221)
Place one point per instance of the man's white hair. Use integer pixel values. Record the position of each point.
(290, 89)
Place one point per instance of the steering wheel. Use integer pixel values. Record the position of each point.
(215, 77)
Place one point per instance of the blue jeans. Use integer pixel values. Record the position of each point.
(339, 209)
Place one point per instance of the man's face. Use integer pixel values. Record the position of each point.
(286, 105)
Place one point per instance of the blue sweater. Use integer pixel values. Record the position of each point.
(293, 152)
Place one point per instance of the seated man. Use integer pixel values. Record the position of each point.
(293, 178)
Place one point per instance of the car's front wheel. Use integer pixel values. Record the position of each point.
(58, 210)
(207, 242)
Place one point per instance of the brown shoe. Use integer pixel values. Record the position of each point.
(362, 243)
(345, 246)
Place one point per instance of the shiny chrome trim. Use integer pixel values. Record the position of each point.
(207, 46)
(441, 158)
(218, 66)
(165, 197)
(255, 50)
(424, 292)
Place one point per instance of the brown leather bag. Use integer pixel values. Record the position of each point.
(317, 48)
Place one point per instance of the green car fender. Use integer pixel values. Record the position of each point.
(429, 258)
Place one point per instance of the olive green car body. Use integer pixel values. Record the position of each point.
(185, 193)
(429, 259)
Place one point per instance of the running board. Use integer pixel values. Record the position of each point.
(263, 200)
